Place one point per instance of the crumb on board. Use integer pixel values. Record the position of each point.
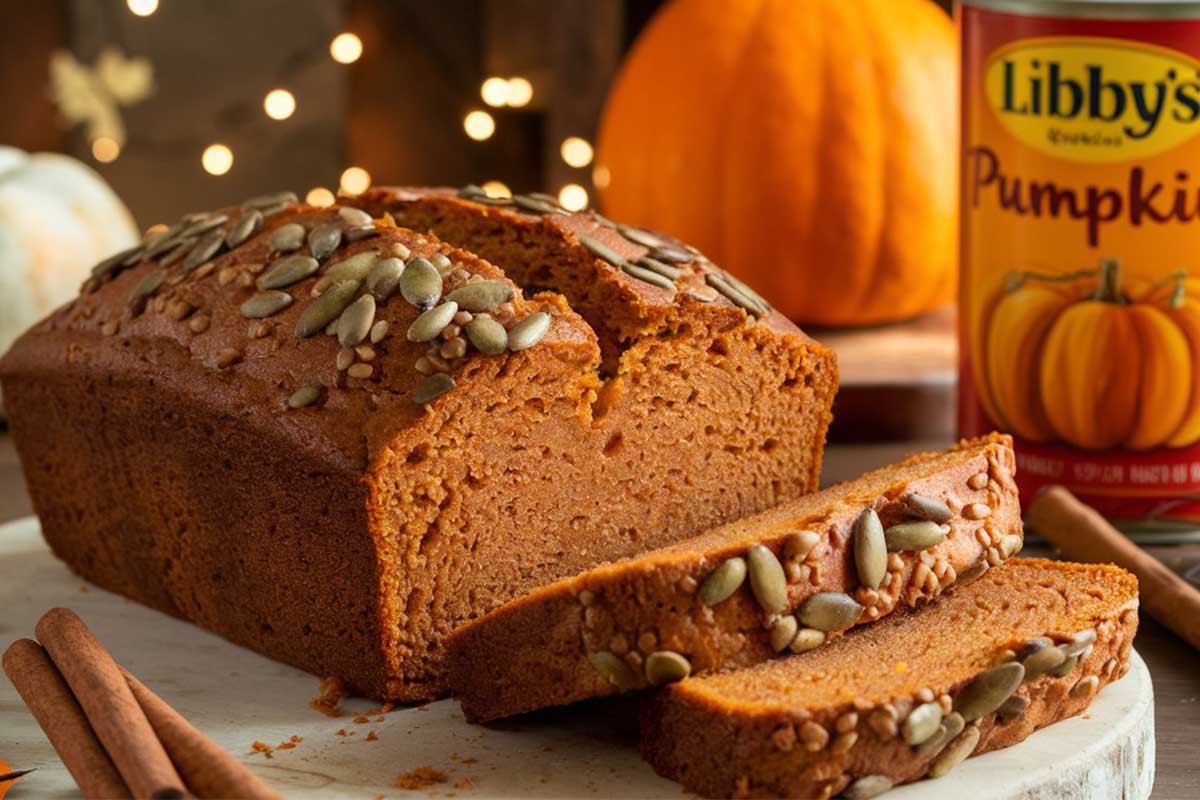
(342, 732)
(383, 709)
(261, 747)
(464, 783)
(330, 694)
(372, 736)
(361, 720)
(420, 778)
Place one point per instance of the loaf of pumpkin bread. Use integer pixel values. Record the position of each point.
(788, 580)
(333, 439)
(1023, 646)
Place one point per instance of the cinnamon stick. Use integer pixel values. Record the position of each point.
(1080, 533)
(208, 770)
(114, 714)
(50, 701)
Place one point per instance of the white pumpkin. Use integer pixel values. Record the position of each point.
(57, 218)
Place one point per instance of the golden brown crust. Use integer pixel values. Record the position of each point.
(779, 729)
(540, 650)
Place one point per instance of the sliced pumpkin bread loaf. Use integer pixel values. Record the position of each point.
(1022, 646)
(786, 580)
(193, 439)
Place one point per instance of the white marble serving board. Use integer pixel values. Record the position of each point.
(590, 750)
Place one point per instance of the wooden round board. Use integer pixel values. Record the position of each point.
(588, 750)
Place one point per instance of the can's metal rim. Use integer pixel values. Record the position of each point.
(1094, 9)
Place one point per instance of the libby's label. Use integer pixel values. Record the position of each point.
(1080, 281)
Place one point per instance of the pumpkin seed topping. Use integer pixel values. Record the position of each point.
(722, 582)
(1066, 667)
(529, 331)
(600, 250)
(204, 224)
(1013, 707)
(384, 277)
(666, 270)
(481, 295)
(922, 723)
(354, 216)
(304, 396)
(248, 224)
(640, 236)
(355, 268)
(164, 241)
(360, 371)
(430, 324)
(488, 335)
(672, 254)
(146, 287)
(355, 322)
(929, 508)
(379, 330)
(951, 726)
(287, 271)
(326, 308)
(420, 283)
(115, 260)
(287, 238)
(1040, 657)
(471, 191)
(733, 294)
(988, 690)
(783, 632)
(867, 787)
(1080, 642)
(360, 232)
(767, 579)
(807, 639)
(870, 549)
(177, 252)
(613, 668)
(909, 536)
(1085, 686)
(666, 666)
(204, 249)
(268, 200)
(955, 752)
(432, 387)
(829, 611)
(647, 276)
(324, 239)
(537, 205)
(264, 304)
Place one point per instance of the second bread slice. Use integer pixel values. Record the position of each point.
(787, 580)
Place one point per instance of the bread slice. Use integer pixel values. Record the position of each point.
(1024, 645)
(317, 503)
(663, 615)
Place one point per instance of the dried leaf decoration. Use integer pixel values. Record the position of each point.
(93, 95)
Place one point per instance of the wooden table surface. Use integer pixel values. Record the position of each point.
(1174, 666)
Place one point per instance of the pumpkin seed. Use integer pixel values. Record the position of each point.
(1085, 686)
(600, 250)
(732, 294)
(360, 232)
(441, 262)
(870, 549)
(268, 200)
(488, 335)
(545, 198)
(146, 287)
(807, 639)
(432, 387)
(646, 276)
(1066, 667)
(355, 322)
(744, 288)
(536, 205)
(429, 325)
(1011, 544)
(248, 224)
(988, 690)
(204, 224)
(529, 331)
(179, 251)
(420, 283)
(264, 304)
(134, 256)
(952, 725)
(204, 249)
(666, 666)
(867, 787)
(722, 582)
(304, 396)
(384, 277)
(672, 255)
(783, 632)
(481, 295)
(929, 508)
(907, 536)
(324, 239)
(666, 270)
(955, 752)
(1040, 657)
(164, 241)
(922, 723)
(471, 191)
(1079, 642)
(1013, 707)
(287, 271)
(115, 260)
(640, 236)
(354, 216)
(829, 611)
(767, 579)
(355, 268)
(378, 331)
(287, 238)
(611, 667)
(326, 308)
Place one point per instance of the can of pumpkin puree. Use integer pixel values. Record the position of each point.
(1079, 322)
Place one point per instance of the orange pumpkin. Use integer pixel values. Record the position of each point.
(1087, 363)
(808, 146)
